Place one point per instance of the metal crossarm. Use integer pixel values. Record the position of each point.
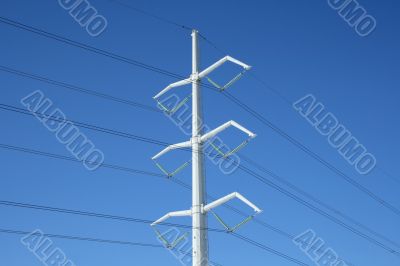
(221, 128)
(173, 85)
(209, 208)
(166, 217)
(182, 145)
(229, 197)
(219, 63)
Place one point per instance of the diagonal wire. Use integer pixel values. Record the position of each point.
(151, 15)
(98, 215)
(314, 199)
(315, 156)
(90, 239)
(69, 237)
(77, 88)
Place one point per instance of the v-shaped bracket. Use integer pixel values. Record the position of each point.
(203, 74)
(209, 207)
(182, 145)
(221, 128)
(179, 239)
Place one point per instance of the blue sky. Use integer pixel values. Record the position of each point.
(296, 47)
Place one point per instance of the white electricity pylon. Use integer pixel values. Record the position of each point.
(199, 208)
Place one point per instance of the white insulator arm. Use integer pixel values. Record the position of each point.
(214, 132)
(172, 214)
(229, 197)
(181, 145)
(173, 85)
(219, 63)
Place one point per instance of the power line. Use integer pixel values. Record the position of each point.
(312, 154)
(67, 158)
(95, 50)
(77, 88)
(314, 199)
(317, 210)
(304, 148)
(119, 58)
(46, 154)
(86, 47)
(113, 217)
(229, 96)
(151, 15)
(135, 171)
(254, 76)
(136, 220)
(98, 215)
(258, 244)
(94, 93)
(389, 175)
(280, 95)
(206, 39)
(96, 240)
(83, 125)
(287, 193)
(129, 170)
(247, 170)
(121, 168)
(284, 98)
(109, 97)
(134, 104)
(78, 238)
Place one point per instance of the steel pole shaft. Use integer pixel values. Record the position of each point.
(199, 219)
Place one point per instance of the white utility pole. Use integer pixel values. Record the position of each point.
(199, 209)
(199, 218)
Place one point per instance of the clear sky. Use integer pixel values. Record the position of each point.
(296, 47)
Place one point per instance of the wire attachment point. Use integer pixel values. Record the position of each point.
(173, 173)
(168, 244)
(229, 229)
